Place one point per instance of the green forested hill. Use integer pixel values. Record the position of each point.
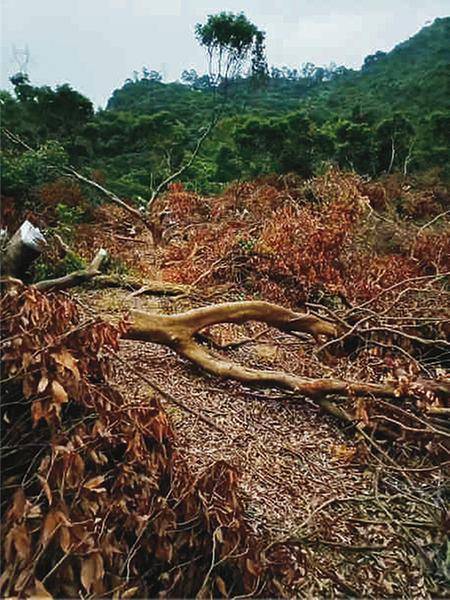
(391, 115)
(300, 118)
(413, 77)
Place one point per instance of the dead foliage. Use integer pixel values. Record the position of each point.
(96, 499)
(293, 244)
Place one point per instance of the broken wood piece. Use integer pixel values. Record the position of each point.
(76, 277)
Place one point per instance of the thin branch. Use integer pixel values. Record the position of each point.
(436, 218)
(161, 187)
(71, 172)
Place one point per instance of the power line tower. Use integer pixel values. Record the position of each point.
(21, 58)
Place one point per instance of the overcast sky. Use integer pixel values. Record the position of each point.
(96, 44)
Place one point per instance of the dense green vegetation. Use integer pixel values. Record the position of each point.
(392, 115)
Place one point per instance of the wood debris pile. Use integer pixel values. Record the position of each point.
(95, 496)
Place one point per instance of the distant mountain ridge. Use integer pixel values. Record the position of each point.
(413, 77)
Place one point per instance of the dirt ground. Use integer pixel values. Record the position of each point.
(367, 527)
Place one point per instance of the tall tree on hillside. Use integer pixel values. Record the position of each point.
(231, 41)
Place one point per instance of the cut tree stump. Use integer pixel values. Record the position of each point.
(22, 249)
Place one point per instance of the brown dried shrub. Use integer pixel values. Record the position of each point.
(96, 499)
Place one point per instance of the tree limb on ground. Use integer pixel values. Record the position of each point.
(76, 277)
(178, 332)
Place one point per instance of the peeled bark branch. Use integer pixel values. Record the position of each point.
(181, 328)
(76, 277)
(179, 332)
(312, 388)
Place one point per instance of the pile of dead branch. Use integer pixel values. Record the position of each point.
(289, 242)
(95, 497)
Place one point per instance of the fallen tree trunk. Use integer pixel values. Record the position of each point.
(178, 332)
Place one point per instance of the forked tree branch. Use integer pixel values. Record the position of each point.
(178, 331)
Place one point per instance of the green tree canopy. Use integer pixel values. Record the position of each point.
(230, 39)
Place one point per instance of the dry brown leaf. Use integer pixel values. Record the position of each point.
(49, 527)
(19, 537)
(27, 387)
(8, 546)
(361, 411)
(129, 593)
(66, 359)
(43, 383)
(39, 591)
(343, 452)
(17, 509)
(92, 571)
(37, 412)
(59, 393)
(251, 567)
(46, 488)
(4, 577)
(220, 583)
(92, 484)
(64, 539)
(22, 579)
